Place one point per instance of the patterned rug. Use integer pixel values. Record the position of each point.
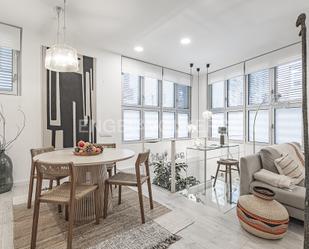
(121, 229)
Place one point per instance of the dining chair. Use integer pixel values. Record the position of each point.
(66, 194)
(33, 174)
(129, 179)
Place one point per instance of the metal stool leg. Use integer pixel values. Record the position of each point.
(230, 182)
(218, 168)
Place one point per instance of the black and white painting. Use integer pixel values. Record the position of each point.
(69, 107)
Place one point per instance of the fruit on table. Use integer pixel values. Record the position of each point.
(86, 147)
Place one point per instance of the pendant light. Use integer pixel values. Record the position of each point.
(61, 57)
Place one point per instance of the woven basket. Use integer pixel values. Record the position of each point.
(261, 215)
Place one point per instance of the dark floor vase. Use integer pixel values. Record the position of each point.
(6, 177)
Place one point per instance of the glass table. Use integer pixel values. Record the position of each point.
(201, 190)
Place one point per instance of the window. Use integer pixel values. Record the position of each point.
(183, 122)
(168, 96)
(151, 92)
(261, 126)
(235, 91)
(131, 89)
(168, 125)
(151, 125)
(227, 107)
(217, 95)
(10, 48)
(131, 125)
(235, 125)
(217, 120)
(153, 109)
(289, 81)
(182, 97)
(288, 125)
(258, 87)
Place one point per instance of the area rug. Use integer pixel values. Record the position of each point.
(121, 229)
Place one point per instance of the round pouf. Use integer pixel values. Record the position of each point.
(261, 215)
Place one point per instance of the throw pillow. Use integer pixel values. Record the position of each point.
(286, 165)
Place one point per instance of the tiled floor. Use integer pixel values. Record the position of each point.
(202, 225)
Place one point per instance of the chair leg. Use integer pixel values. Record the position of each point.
(217, 172)
(71, 223)
(106, 190)
(140, 197)
(110, 175)
(96, 205)
(50, 184)
(237, 165)
(230, 180)
(36, 213)
(59, 206)
(66, 212)
(115, 172)
(30, 189)
(150, 193)
(119, 195)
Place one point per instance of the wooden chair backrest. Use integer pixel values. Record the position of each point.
(142, 160)
(55, 170)
(38, 151)
(107, 145)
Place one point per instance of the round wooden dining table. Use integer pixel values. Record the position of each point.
(90, 170)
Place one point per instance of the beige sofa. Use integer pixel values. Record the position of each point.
(293, 200)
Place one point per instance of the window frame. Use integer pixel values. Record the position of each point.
(160, 109)
(271, 106)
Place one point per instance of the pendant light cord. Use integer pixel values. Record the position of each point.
(58, 9)
(64, 21)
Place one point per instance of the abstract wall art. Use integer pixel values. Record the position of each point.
(69, 105)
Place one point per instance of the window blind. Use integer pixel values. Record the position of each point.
(258, 87)
(288, 125)
(217, 95)
(217, 120)
(131, 125)
(183, 122)
(168, 99)
(151, 125)
(131, 89)
(6, 69)
(151, 92)
(261, 126)
(235, 91)
(182, 96)
(235, 125)
(288, 81)
(10, 37)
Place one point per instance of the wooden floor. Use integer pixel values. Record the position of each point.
(207, 226)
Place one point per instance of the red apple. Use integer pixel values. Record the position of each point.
(81, 144)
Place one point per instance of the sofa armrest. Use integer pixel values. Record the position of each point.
(248, 166)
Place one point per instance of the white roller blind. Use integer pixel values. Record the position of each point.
(226, 74)
(273, 59)
(289, 81)
(176, 77)
(6, 69)
(258, 87)
(139, 68)
(10, 37)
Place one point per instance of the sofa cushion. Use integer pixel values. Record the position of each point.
(294, 198)
(287, 166)
(270, 153)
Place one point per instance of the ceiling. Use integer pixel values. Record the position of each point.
(223, 32)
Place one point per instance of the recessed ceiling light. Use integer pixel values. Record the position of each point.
(138, 49)
(185, 41)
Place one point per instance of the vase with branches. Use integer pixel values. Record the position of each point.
(6, 166)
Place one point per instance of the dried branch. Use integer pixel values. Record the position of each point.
(19, 130)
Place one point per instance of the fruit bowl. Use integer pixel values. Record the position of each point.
(87, 153)
(87, 149)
